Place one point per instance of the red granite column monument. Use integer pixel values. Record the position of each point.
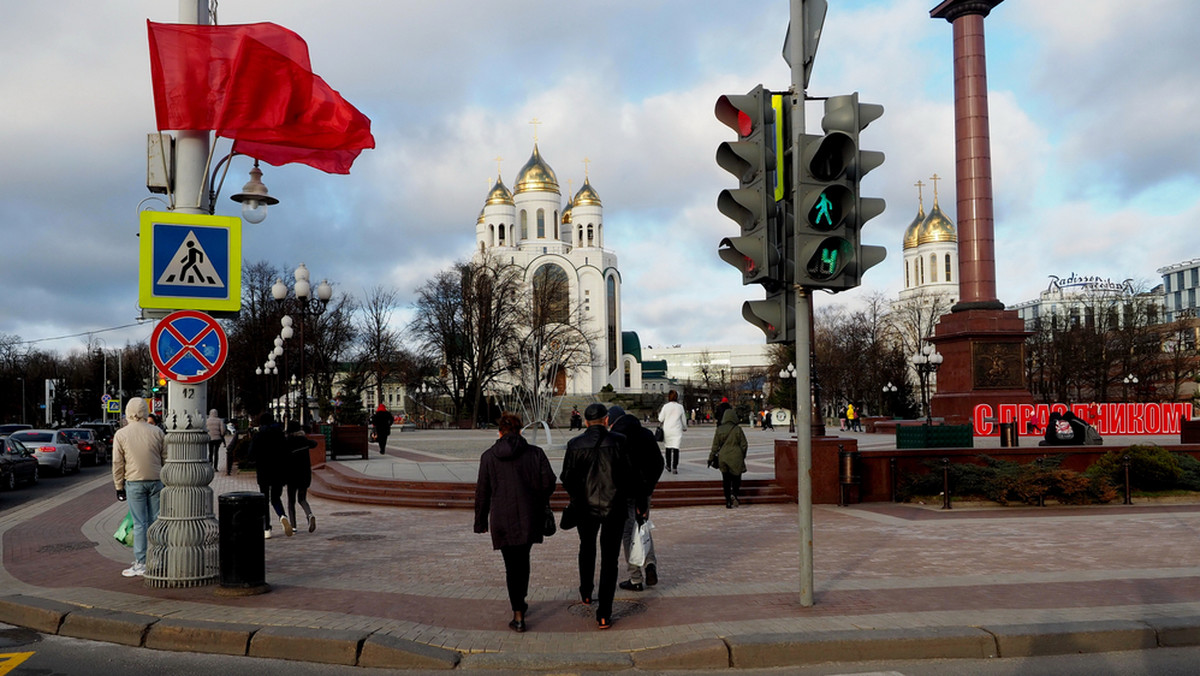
(982, 343)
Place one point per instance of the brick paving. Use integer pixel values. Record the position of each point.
(421, 574)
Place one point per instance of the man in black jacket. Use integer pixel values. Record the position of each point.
(648, 461)
(599, 478)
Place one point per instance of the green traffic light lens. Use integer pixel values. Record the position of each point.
(829, 259)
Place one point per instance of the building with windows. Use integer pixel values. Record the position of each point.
(1180, 284)
(930, 255)
(1077, 300)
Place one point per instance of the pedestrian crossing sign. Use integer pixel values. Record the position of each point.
(190, 262)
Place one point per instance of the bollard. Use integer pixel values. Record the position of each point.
(847, 474)
(1009, 435)
(1041, 495)
(892, 474)
(946, 483)
(242, 550)
(1128, 488)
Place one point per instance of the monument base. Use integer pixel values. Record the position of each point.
(983, 354)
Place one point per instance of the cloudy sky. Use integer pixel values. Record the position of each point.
(1094, 127)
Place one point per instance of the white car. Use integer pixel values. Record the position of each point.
(52, 448)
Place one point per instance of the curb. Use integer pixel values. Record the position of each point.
(747, 651)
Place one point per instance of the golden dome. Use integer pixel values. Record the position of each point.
(566, 215)
(586, 195)
(910, 234)
(480, 219)
(499, 194)
(536, 175)
(936, 228)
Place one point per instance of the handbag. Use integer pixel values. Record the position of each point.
(124, 533)
(658, 434)
(568, 520)
(548, 528)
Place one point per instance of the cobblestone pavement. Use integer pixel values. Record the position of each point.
(423, 575)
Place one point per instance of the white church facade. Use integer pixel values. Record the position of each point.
(532, 228)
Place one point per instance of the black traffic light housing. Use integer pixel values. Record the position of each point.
(830, 210)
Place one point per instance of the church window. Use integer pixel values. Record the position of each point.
(541, 223)
(492, 235)
(524, 224)
(948, 267)
(933, 268)
(589, 234)
(611, 321)
(551, 293)
(906, 281)
(481, 246)
(628, 377)
(579, 239)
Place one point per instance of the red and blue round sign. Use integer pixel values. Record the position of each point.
(188, 346)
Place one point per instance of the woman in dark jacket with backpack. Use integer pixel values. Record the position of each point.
(514, 487)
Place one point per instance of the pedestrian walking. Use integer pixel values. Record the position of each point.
(729, 456)
(297, 474)
(719, 414)
(268, 448)
(842, 418)
(599, 478)
(381, 420)
(851, 417)
(671, 417)
(512, 496)
(648, 461)
(139, 449)
(216, 436)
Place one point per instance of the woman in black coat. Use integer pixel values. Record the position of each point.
(514, 487)
(297, 473)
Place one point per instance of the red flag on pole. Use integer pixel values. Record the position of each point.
(253, 83)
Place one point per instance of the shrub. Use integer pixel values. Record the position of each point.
(1151, 467)
(1006, 482)
(1189, 467)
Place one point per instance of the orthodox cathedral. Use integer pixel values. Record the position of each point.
(930, 254)
(530, 227)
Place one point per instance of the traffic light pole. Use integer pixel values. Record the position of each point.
(796, 57)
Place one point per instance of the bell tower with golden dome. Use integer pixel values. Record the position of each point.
(530, 227)
(930, 252)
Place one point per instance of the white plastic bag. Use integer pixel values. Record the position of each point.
(640, 544)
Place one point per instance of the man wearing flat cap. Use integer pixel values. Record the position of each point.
(600, 480)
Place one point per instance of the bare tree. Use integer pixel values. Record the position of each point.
(380, 344)
(552, 346)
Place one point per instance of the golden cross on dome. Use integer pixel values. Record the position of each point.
(535, 122)
(586, 162)
(935, 178)
(920, 194)
(498, 160)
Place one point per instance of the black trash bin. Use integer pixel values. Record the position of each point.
(1009, 435)
(242, 550)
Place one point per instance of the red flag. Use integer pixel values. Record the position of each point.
(253, 83)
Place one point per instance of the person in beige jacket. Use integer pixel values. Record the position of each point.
(137, 457)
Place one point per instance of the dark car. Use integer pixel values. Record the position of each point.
(91, 451)
(17, 464)
(104, 431)
(9, 428)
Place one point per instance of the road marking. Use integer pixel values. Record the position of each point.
(10, 661)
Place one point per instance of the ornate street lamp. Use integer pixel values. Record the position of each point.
(305, 304)
(789, 373)
(926, 362)
(889, 390)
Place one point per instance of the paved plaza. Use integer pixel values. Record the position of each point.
(729, 580)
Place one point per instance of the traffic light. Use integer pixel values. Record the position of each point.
(830, 211)
(775, 316)
(160, 383)
(752, 159)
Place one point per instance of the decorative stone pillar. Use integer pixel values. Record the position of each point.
(982, 343)
(182, 545)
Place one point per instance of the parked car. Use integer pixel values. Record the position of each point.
(91, 451)
(13, 427)
(17, 464)
(53, 449)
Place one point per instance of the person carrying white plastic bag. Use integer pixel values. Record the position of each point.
(640, 544)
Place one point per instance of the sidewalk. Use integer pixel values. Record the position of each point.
(410, 588)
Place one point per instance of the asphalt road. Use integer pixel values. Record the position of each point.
(48, 483)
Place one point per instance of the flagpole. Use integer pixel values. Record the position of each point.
(182, 544)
